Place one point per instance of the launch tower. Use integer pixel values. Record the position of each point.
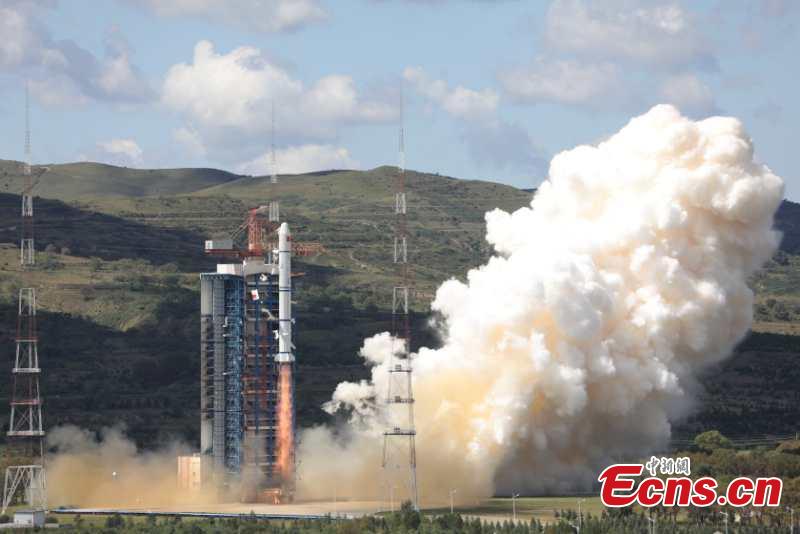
(399, 439)
(247, 362)
(25, 427)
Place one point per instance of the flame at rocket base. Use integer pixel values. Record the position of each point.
(285, 424)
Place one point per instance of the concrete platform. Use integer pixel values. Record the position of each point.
(304, 510)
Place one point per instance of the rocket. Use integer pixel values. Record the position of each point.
(285, 360)
(285, 346)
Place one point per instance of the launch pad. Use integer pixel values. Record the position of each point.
(300, 510)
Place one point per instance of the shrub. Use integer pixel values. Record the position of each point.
(790, 447)
(115, 521)
(712, 440)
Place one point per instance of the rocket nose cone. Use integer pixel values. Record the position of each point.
(284, 229)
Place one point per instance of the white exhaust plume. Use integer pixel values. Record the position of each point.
(579, 342)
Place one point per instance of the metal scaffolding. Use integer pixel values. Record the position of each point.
(260, 373)
(222, 297)
(234, 363)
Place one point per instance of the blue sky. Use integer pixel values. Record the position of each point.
(492, 89)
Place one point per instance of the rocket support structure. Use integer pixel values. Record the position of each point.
(248, 361)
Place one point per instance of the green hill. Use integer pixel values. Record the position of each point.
(117, 279)
(77, 180)
(119, 252)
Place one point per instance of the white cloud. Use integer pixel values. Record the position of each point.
(660, 35)
(117, 75)
(770, 112)
(61, 72)
(764, 24)
(603, 85)
(437, 3)
(459, 102)
(565, 81)
(237, 90)
(508, 146)
(689, 93)
(18, 39)
(121, 151)
(491, 142)
(776, 8)
(255, 15)
(57, 92)
(300, 159)
(617, 54)
(190, 140)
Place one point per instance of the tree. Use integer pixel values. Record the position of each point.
(409, 517)
(115, 521)
(711, 441)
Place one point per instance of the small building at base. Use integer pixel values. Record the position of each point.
(32, 518)
(190, 472)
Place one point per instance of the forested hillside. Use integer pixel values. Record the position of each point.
(120, 250)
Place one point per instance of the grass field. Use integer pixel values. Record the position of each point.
(541, 508)
(496, 509)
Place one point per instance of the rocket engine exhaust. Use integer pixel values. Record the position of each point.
(285, 434)
(580, 341)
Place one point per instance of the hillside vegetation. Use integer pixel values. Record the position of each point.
(119, 252)
(71, 181)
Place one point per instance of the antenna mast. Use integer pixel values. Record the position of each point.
(274, 209)
(273, 163)
(27, 132)
(399, 448)
(25, 428)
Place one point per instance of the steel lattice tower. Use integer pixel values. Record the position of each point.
(25, 427)
(399, 448)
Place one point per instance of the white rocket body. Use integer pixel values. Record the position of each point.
(285, 346)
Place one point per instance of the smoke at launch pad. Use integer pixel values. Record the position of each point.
(580, 340)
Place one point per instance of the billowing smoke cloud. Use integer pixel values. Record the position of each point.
(579, 342)
(109, 471)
